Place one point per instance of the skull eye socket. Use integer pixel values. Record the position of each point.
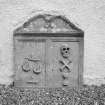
(67, 48)
(64, 49)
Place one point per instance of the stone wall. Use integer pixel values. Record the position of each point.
(89, 15)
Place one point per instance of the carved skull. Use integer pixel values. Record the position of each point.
(65, 51)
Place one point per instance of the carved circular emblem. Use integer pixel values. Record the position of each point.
(37, 68)
(26, 66)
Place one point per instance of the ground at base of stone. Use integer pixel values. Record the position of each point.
(86, 95)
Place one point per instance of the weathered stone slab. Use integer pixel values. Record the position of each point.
(52, 57)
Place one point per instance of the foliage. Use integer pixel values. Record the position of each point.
(86, 95)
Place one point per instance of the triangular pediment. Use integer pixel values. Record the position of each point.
(48, 24)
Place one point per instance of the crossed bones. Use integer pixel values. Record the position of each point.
(65, 65)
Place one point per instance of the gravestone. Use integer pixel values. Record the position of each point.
(48, 52)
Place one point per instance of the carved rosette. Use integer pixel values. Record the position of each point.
(37, 68)
(26, 66)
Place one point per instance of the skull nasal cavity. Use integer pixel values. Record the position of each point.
(66, 51)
